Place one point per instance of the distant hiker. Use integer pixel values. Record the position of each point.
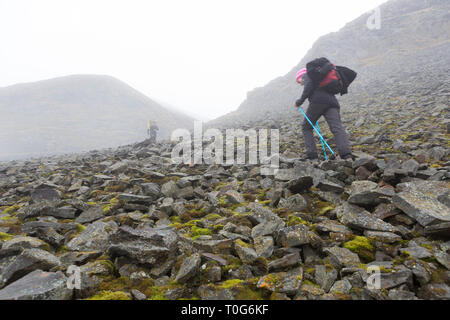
(321, 81)
(152, 131)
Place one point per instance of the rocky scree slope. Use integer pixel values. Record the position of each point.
(409, 57)
(140, 227)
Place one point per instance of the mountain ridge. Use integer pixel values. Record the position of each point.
(136, 224)
(78, 113)
(408, 28)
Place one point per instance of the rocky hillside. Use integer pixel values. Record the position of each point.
(140, 227)
(408, 57)
(77, 113)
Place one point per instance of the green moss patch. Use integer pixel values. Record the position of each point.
(110, 295)
(12, 209)
(363, 247)
(243, 244)
(196, 231)
(244, 289)
(213, 216)
(5, 236)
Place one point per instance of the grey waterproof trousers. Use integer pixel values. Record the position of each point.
(333, 118)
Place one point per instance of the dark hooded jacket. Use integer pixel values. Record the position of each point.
(316, 95)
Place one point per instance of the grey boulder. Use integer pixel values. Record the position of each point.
(38, 285)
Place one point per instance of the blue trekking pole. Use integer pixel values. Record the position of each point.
(315, 129)
(321, 140)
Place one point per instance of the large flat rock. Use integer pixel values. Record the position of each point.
(421, 201)
(145, 245)
(94, 237)
(29, 260)
(38, 285)
(358, 218)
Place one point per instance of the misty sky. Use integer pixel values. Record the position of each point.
(200, 56)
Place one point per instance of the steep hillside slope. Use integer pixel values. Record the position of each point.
(132, 219)
(408, 57)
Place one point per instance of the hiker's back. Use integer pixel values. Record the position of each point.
(328, 77)
(328, 80)
(321, 96)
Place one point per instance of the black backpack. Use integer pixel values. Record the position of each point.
(318, 69)
(329, 77)
(347, 76)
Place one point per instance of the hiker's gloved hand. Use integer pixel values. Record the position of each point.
(298, 103)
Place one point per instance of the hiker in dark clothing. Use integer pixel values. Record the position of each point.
(321, 103)
(152, 131)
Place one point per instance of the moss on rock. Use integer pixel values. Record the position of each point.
(110, 295)
(80, 228)
(363, 247)
(5, 236)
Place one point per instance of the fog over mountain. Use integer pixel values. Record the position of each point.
(131, 223)
(77, 113)
(410, 52)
